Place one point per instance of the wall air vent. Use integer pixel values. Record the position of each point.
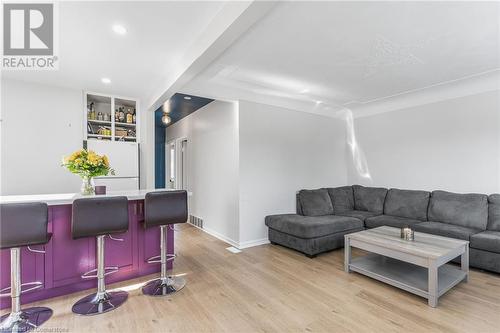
(196, 221)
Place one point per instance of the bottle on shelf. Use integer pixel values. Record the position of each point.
(121, 118)
(133, 117)
(117, 115)
(91, 115)
(129, 116)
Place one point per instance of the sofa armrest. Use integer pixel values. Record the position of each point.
(298, 206)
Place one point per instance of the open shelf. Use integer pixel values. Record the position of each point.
(102, 122)
(125, 138)
(99, 136)
(125, 112)
(110, 118)
(117, 123)
(404, 275)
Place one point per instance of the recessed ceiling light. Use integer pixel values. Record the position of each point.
(304, 91)
(187, 97)
(119, 29)
(318, 102)
(105, 80)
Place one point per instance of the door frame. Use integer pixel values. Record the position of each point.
(177, 144)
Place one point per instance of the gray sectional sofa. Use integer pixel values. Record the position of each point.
(325, 215)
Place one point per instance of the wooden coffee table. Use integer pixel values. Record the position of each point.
(418, 266)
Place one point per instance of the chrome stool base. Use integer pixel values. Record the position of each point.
(26, 320)
(94, 304)
(164, 287)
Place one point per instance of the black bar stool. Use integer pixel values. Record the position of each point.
(22, 225)
(99, 217)
(163, 209)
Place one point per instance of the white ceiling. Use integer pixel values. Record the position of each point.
(352, 53)
(158, 35)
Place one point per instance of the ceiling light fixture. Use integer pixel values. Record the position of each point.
(318, 102)
(119, 29)
(187, 97)
(166, 119)
(105, 80)
(304, 91)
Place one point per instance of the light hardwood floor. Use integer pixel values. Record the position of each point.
(272, 289)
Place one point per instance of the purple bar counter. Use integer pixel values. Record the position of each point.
(65, 260)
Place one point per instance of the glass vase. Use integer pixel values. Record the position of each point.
(87, 186)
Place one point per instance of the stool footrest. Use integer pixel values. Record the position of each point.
(157, 259)
(36, 251)
(5, 292)
(107, 271)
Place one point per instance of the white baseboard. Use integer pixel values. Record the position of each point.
(218, 236)
(238, 245)
(252, 243)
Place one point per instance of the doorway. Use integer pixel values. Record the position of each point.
(177, 164)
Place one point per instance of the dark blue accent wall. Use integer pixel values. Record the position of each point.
(179, 108)
(160, 136)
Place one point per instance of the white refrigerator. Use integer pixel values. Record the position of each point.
(124, 159)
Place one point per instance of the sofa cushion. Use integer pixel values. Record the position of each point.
(466, 210)
(359, 214)
(486, 241)
(315, 202)
(370, 199)
(407, 203)
(446, 230)
(493, 212)
(311, 227)
(342, 198)
(484, 260)
(391, 221)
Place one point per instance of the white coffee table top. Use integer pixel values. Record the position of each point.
(424, 245)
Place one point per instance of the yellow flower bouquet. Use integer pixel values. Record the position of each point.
(87, 164)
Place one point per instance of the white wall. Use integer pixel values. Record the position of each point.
(247, 160)
(281, 152)
(147, 148)
(452, 145)
(212, 134)
(39, 125)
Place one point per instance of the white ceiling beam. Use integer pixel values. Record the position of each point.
(230, 23)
